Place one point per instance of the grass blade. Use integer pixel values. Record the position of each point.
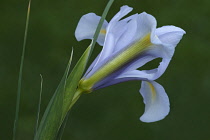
(20, 74)
(39, 105)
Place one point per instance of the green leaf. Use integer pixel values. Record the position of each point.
(74, 78)
(52, 118)
(60, 102)
(21, 73)
(39, 106)
(61, 130)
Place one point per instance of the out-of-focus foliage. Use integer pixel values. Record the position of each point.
(113, 112)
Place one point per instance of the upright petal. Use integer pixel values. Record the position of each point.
(112, 32)
(146, 24)
(156, 101)
(87, 27)
(137, 28)
(127, 37)
(124, 10)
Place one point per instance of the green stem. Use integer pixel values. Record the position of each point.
(75, 98)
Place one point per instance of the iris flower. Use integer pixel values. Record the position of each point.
(128, 44)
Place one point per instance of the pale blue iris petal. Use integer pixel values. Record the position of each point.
(107, 49)
(127, 38)
(139, 26)
(124, 10)
(90, 68)
(169, 37)
(146, 74)
(118, 30)
(156, 73)
(127, 19)
(99, 62)
(170, 34)
(146, 24)
(156, 101)
(116, 33)
(87, 27)
(140, 61)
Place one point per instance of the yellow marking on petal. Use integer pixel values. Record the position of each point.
(103, 31)
(153, 91)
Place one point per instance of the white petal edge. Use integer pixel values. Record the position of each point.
(87, 27)
(156, 101)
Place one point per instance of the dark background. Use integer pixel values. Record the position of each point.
(113, 112)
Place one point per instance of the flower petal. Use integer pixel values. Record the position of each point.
(165, 40)
(113, 32)
(124, 10)
(130, 74)
(139, 26)
(127, 37)
(87, 27)
(156, 101)
(170, 34)
(168, 37)
(146, 24)
(146, 74)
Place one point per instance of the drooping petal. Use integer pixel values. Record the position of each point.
(156, 101)
(87, 27)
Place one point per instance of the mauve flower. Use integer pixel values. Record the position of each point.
(128, 44)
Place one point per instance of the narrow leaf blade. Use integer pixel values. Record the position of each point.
(21, 73)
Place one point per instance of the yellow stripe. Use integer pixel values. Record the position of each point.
(153, 91)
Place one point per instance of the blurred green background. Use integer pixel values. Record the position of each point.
(113, 112)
